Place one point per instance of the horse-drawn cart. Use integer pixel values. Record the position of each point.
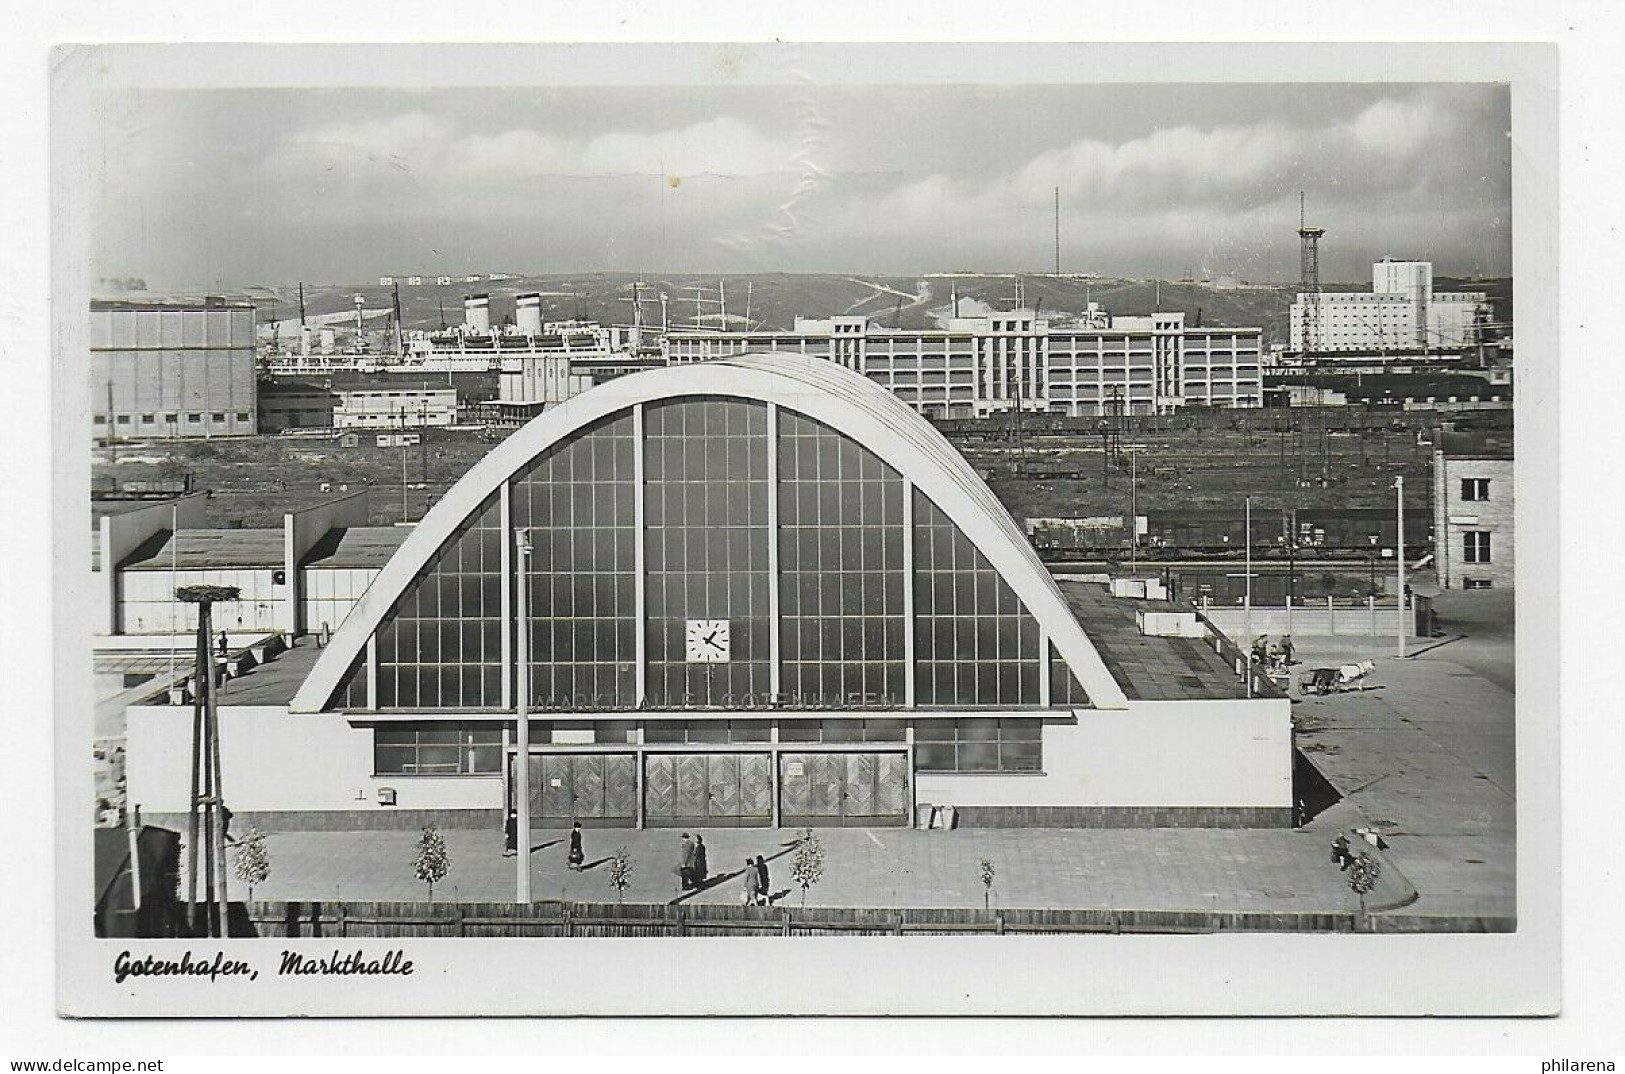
(1335, 680)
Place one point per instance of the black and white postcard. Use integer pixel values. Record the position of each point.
(985, 529)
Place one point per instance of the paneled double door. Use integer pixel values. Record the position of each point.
(726, 789)
(858, 788)
(593, 788)
(718, 790)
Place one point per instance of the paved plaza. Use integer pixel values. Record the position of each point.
(1152, 869)
(1425, 756)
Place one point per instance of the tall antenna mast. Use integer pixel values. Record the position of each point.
(1309, 279)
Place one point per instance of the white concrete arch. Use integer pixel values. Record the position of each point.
(845, 401)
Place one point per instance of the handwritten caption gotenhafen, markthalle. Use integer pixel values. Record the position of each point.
(354, 964)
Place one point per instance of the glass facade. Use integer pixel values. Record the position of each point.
(979, 745)
(843, 731)
(666, 732)
(1065, 691)
(577, 502)
(841, 570)
(974, 642)
(707, 501)
(706, 490)
(440, 647)
(352, 691)
(437, 749)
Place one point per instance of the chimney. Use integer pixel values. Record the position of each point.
(528, 314)
(477, 314)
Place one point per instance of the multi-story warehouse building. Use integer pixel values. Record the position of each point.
(1005, 361)
(1473, 510)
(1402, 314)
(170, 370)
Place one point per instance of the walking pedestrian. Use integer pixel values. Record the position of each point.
(1286, 649)
(577, 855)
(763, 884)
(752, 895)
(701, 870)
(685, 864)
(510, 836)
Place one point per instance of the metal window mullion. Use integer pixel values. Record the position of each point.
(908, 593)
(774, 652)
(505, 519)
(640, 640)
(1044, 658)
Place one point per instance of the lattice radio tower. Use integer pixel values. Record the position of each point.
(1309, 282)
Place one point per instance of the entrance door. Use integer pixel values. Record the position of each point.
(597, 789)
(860, 788)
(708, 789)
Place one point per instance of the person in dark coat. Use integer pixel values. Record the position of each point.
(685, 864)
(510, 836)
(577, 855)
(752, 895)
(701, 870)
(763, 884)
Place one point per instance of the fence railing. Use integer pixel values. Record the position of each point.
(384, 920)
(1240, 660)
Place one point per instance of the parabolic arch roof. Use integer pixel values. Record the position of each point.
(844, 400)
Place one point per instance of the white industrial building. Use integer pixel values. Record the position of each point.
(1003, 361)
(1401, 315)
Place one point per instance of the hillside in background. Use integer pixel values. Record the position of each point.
(769, 301)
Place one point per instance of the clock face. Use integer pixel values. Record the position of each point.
(707, 642)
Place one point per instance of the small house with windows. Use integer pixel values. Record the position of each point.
(1473, 509)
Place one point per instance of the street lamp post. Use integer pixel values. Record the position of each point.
(1399, 555)
(1247, 599)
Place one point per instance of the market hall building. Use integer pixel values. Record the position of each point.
(757, 591)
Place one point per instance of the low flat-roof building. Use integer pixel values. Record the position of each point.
(381, 401)
(760, 591)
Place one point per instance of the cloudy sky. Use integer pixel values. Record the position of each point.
(236, 187)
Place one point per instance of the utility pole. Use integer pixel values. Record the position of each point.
(1247, 599)
(521, 764)
(1291, 565)
(207, 806)
(1399, 550)
(1133, 511)
(402, 415)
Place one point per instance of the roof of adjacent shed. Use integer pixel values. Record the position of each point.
(1149, 668)
(208, 550)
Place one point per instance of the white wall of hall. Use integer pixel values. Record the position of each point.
(271, 760)
(1154, 753)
